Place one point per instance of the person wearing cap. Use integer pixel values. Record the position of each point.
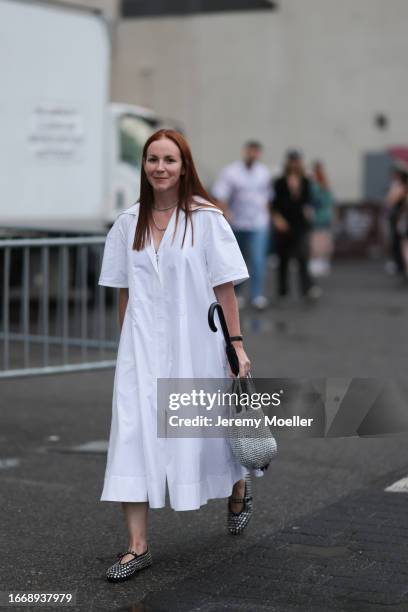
(244, 189)
(292, 212)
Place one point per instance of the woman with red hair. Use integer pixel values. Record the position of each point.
(171, 255)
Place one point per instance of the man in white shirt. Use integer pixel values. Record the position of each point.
(244, 190)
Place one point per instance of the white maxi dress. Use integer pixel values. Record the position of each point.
(165, 334)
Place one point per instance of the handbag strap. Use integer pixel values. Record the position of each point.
(239, 378)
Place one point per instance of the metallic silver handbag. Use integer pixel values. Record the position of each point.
(253, 447)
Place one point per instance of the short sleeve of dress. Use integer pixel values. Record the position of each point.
(223, 256)
(114, 263)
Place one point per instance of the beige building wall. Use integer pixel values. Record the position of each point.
(312, 75)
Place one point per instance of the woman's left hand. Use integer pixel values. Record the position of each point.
(244, 363)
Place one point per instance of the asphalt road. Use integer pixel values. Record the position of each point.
(56, 535)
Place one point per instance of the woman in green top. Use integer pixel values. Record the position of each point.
(321, 240)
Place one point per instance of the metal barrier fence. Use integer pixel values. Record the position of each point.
(54, 315)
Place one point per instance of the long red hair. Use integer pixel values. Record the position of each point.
(320, 176)
(189, 185)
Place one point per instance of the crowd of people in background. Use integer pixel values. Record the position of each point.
(396, 203)
(289, 215)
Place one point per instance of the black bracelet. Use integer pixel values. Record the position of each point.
(236, 338)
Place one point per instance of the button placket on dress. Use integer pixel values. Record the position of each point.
(160, 320)
(160, 313)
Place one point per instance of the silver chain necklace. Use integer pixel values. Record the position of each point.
(167, 208)
(162, 229)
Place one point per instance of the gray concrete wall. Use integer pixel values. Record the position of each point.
(313, 75)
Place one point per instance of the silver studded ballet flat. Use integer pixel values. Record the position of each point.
(237, 522)
(123, 571)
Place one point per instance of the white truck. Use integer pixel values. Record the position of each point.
(69, 159)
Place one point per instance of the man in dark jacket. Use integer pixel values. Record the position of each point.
(292, 213)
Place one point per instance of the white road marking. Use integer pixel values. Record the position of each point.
(94, 446)
(9, 462)
(401, 486)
